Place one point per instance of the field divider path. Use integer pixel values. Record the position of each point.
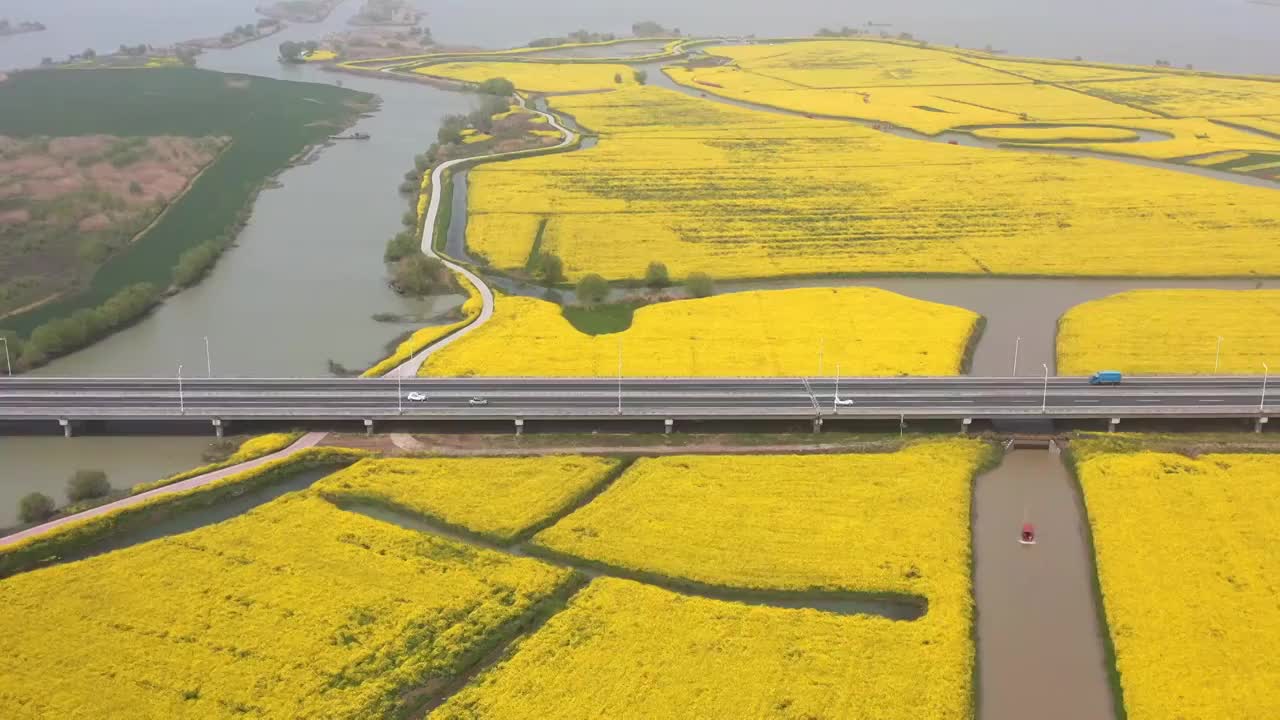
(306, 441)
(411, 367)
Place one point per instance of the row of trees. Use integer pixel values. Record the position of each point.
(293, 52)
(593, 289)
(83, 485)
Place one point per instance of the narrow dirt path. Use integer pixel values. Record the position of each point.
(304, 442)
(1040, 649)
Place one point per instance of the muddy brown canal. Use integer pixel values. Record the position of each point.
(1040, 647)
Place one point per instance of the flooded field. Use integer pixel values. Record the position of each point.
(1040, 647)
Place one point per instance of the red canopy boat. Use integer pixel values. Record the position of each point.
(1028, 536)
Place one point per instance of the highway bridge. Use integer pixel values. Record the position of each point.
(31, 400)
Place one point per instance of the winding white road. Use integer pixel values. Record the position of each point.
(412, 365)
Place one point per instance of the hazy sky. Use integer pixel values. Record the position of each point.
(1232, 35)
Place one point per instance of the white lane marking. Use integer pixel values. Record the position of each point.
(1145, 400)
(1204, 400)
(1087, 401)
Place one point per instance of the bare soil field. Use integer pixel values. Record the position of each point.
(69, 203)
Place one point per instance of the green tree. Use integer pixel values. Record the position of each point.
(617, 78)
(592, 290)
(699, 285)
(548, 268)
(35, 507)
(195, 263)
(642, 76)
(656, 275)
(497, 86)
(417, 274)
(404, 243)
(291, 51)
(87, 485)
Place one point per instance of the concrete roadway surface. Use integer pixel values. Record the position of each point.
(505, 398)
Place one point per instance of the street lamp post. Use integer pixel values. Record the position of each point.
(835, 404)
(7, 364)
(182, 403)
(399, 392)
(208, 358)
(1017, 345)
(1263, 402)
(1044, 399)
(1217, 355)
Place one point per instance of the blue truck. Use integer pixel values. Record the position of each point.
(1106, 377)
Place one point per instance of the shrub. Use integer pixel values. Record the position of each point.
(656, 275)
(87, 485)
(402, 245)
(592, 290)
(642, 77)
(418, 274)
(548, 268)
(699, 285)
(35, 507)
(195, 263)
(497, 86)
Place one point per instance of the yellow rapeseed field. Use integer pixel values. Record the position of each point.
(624, 651)
(497, 497)
(1056, 134)
(766, 333)
(1172, 332)
(737, 193)
(1061, 71)
(537, 76)
(296, 609)
(1188, 574)
(1182, 95)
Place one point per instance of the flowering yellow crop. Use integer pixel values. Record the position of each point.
(766, 333)
(737, 193)
(476, 138)
(1056, 134)
(320, 56)
(498, 497)
(1058, 71)
(1171, 332)
(1182, 95)
(296, 609)
(1219, 158)
(625, 651)
(537, 76)
(1188, 580)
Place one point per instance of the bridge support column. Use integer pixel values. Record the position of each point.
(1259, 423)
(964, 425)
(368, 427)
(817, 425)
(519, 427)
(1111, 425)
(66, 427)
(218, 427)
(667, 426)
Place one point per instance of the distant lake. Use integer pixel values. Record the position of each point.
(1227, 35)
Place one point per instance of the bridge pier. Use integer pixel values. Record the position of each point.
(964, 425)
(218, 427)
(667, 426)
(66, 427)
(1111, 425)
(368, 427)
(519, 427)
(1259, 423)
(817, 425)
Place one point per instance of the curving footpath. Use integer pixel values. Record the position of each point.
(302, 443)
(411, 366)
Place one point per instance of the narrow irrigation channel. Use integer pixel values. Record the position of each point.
(1041, 653)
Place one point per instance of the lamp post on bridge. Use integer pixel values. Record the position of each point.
(1263, 402)
(182, 403)
(208, 358)
(1017, 345)
(1217, 355)
(1044, 399)
(399, 392)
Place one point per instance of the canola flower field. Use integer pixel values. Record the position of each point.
(642, 653)
(537, 77)
(744, 194)
(1174, 332)
(891, 523)
(1188, 579)
(295, 609)
(867, 331)
(496, 497)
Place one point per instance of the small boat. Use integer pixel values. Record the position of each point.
(1028, 536)
(352, 136)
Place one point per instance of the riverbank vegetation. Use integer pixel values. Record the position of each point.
(781, 202)
(251, 449)
(537, 77)
(865, 330)
(499, 498)
(294, 609)
(1172, 332)
(894, 524)
(261, 125)
(1186, 582)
